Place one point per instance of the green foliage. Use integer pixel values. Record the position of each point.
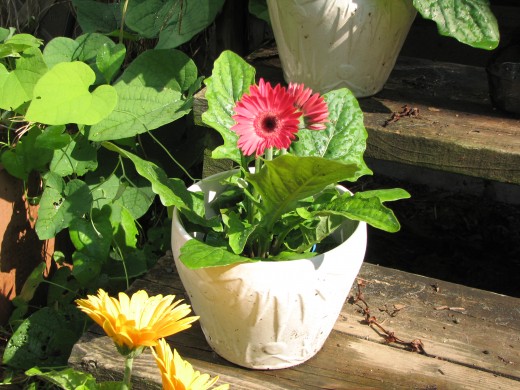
(290, 202)
(173, 22)
(45, 336)
(75, 114)
(229, 81)
(469, 21)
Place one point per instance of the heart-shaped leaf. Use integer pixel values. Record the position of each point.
(62, 96)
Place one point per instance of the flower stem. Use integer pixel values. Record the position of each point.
(269, 154)
(127, 384)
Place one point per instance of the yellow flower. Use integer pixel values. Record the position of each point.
(178, 374)
(137, 322)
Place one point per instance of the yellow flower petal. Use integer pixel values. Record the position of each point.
(139, 320)
(178, 374)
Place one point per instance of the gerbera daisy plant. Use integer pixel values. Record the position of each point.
(291, 147)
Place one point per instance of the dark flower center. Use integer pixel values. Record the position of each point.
(269, 123)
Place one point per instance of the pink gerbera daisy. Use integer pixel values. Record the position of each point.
(313, 106)
(265, 118)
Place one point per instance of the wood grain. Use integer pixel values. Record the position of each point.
(476, 345)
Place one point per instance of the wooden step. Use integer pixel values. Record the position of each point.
(470, 337)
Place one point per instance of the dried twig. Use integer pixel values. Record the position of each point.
(406, 111)
(389, 336)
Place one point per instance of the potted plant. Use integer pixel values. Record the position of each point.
(334, 43)
(268, 252)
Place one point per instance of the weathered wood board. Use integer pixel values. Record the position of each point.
(471, 340)
(456, 129)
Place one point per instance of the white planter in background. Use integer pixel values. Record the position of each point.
(328, 44)
(270, 315)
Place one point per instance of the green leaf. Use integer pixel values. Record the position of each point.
(60, 204)
(344, 140)
(126, 232)
(172, 191)
(89, 45)
(60, 49)
(150, 95)
(104, 191)
(5, 33)
(196, 254)
(53, 137)
(46, 336)
(176, 22)
(137, 200)
(469, 21)
(17, 86)
(140, 109)
(362, 208)
(287, 179)
(259, 9)
(85, 48)
(386, 195)
(94, 16)
(93, 237)
(239, 232)
(68, 378)
(86, 269)
(132, 265)
(17, 44)
(62, 96)
(78, 157)
(63, 289)
(230, 79)
(21, 301)
(28, 155)
(109, 60)
(161, 69)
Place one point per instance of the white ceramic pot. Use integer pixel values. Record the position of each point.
(328, 44)
(270, 315)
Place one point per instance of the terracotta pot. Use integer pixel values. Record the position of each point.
(329, 44)
(20, 248)
(270, 314)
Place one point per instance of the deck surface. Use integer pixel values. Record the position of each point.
(471, 340)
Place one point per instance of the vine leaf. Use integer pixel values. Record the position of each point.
(62, 96)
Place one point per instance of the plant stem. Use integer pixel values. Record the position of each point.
(171, 157)
(127, 384)
(125, 6)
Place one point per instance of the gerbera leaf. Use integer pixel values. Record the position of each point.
(361, 207)
(239, 231)
(196, 254)
(344, 140)
(231, 78)
(287, 179)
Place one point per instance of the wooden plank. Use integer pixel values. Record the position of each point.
(456, 129)
(477, 348)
